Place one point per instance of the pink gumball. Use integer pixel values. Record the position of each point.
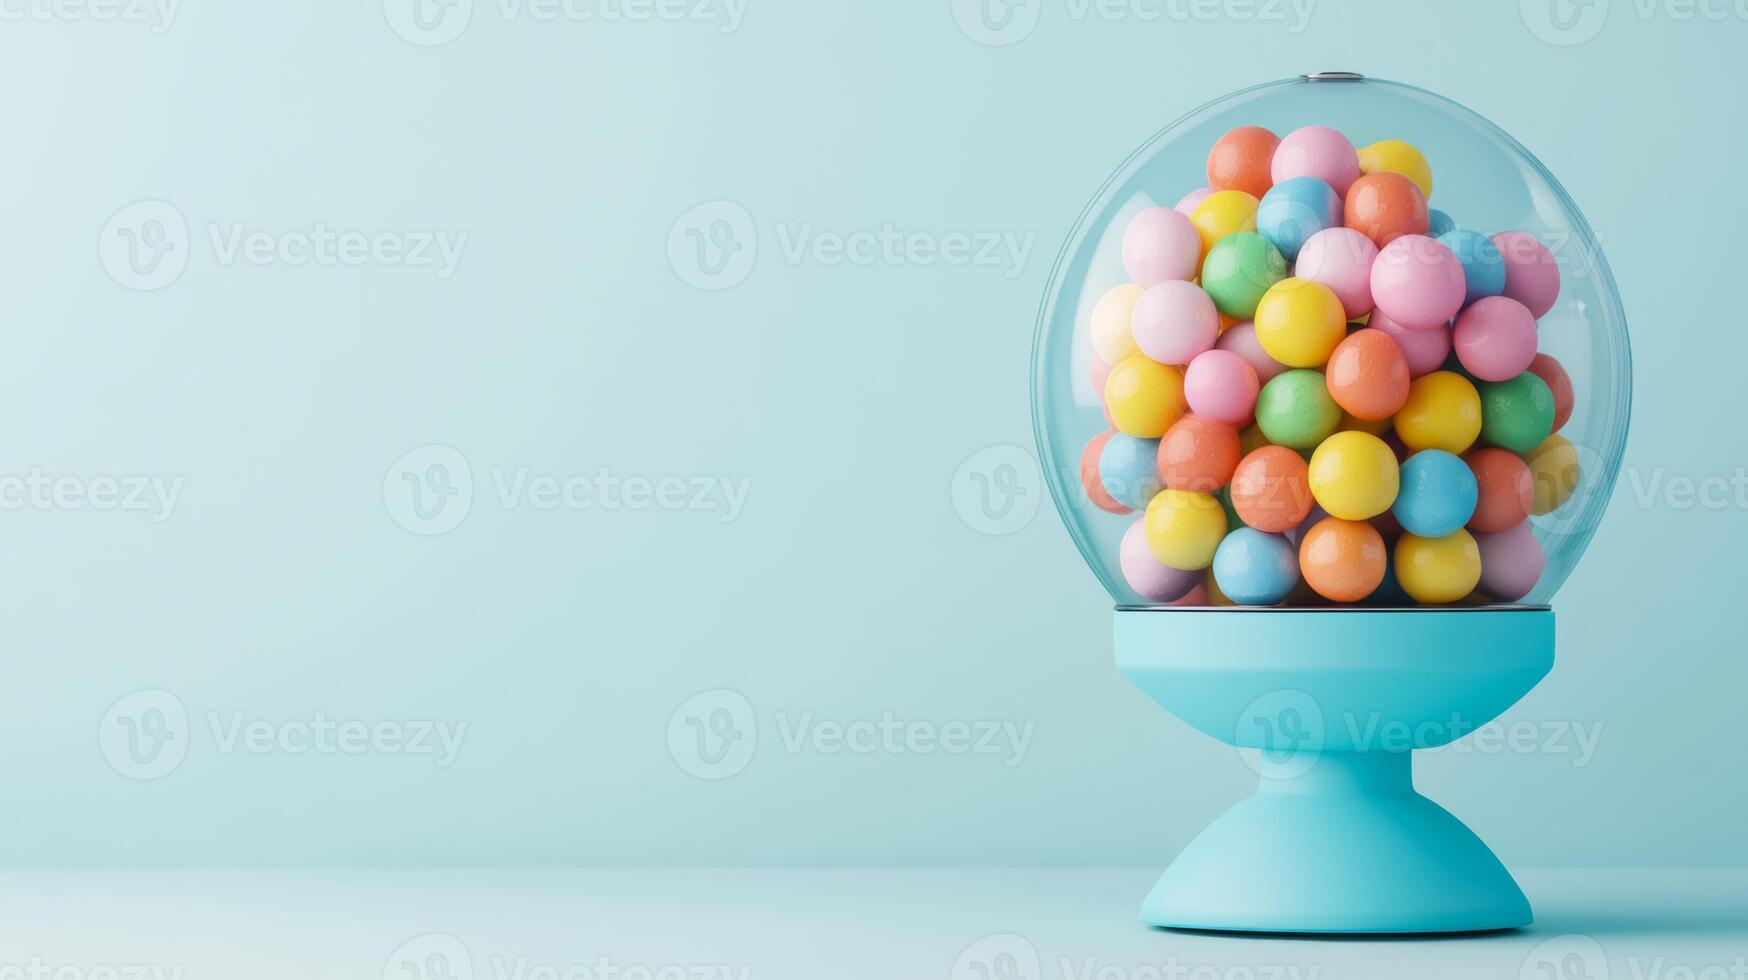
(1425, 350)
(1417, 282)
(1240, 339)
(1151, 578)
(1174, 321)
(1317, 151)
(1511, 563)
(1532, 277)
(1495, 338)
(1222, 386)
(1188, 202)
(1340, 258)
(1159, 245)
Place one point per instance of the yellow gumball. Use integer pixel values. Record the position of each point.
(1353, 423)
(1397, 157)
(1353, 476)
(1223, 213)
(1183, 528)
(1144, 396)
(1438, 570)
(1553, 467)
(1299, 322)
(1443, 411)
(1215, 596)
(1111, 336)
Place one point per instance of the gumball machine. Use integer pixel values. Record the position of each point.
(1332, 383)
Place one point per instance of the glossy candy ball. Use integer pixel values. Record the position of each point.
(1239, 269)
(1255, 568)
(1271, 489)
(1129, 470)
(1559, 383)
(1438, 223)
(1151, 578)
(1240, 160)
(1424, 350)
(1397, 157)
(1184, 528)
(1186, 205)
(1294, 210)
(1554, 473)
(1294, 409)
(1368, 375)
(1240, 339)
(1516, 414)
(1417, 282)
(1299, 323)
(1532, 277)
(1438, 570)
(1342, 561)
(1111, 337)
(1438, 494)
(1198, 454)
(1353, 476)
(1511, 562)
(1316, 151)
(1161, 244)
(1089, 475)
(1144, 396)
(1223, 213)
(1222, 386)
(1174, 321)
(1384, 207)
(1443, 411)
(1495, 338)
(1504, 490)
(1483, 267)
(1340, 258)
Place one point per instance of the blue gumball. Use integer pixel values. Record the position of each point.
(1294, 210)
(1129, 470)
(1255, 568)
(1437, 494)
(1483, 266)
(1439, 224)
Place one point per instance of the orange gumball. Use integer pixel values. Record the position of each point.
(1367, 375)
(1271, 489)
(1241, 161)
(1198, 454)
(1342, 560)
(1385, 206)
(1089, 474)
(1506, 490)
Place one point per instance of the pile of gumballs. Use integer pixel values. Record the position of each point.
(1320, 390)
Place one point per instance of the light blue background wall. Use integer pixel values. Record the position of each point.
(844, 398)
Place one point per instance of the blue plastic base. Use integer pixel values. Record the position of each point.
(1336, 840)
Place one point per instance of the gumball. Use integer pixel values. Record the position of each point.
(1240, 339)
(1553, 466)
(1197, 596)
(1424, 350)
(1343, 561)
(1559, 383)
(1483, 267)
(1532, 276)
(1198, 454)
(1495, 338)
(1159, 245)
(1186, 205)
(1271, 489)
(1443, 411)
(1316, 151)
(1511, 562)
(1240, 160)
(1255, 568)
(1516, 414)
(1184, 528)
(1340, 258)
(1151, 579)
(1299, 322)
(1438, 223)
(1397, 157)
(1504, 489)
(1294, 409)
(1353, 476)
(1144, 396)
(1089, 475)
(1294, 210)
(1223, 213)
(1384, 207)
(1417, 282)
(1174, 321)
(1438, 570)
(1222, 386)
(1215, 596)
(1368, 375)
(1111, 336)
(1129, 470)
(1438, 494)
(1239, 269)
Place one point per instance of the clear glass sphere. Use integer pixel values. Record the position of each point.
(1482, 178)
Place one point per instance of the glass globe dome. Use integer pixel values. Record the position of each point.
(1482, 180)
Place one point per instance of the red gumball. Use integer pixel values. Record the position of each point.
(1089, 474)
(1558, 382)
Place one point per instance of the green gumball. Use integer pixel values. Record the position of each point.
(1239, 269)
(1516, 414)
(1294, 409)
